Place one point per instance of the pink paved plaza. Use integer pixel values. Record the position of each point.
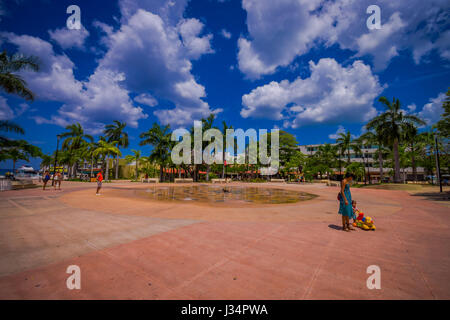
(133, 248)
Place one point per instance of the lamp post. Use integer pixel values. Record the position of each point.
(438, 168)
(56, 158)
(365, 160)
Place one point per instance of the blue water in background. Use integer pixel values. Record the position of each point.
(3, 171)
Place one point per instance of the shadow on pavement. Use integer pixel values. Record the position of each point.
(434, 196)
(335, 227)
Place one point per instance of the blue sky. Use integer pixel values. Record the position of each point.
(312, 68)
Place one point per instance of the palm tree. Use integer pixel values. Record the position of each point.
(47, 161)
(135, 157)
(345, 141)
(8, 126)
(327, 156)
(390, 125)
(19, 150)
(224, 132)
(426, 148)
(374, 138)
(411, 138)
(105, 149)
(159, 138)
(115, 132)
(207, 124)
(75, 138)
(9, 80)
(357, 147)
(443, 125)
(87, 153)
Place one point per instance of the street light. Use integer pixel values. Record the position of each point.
(56, 158)
(438, 168)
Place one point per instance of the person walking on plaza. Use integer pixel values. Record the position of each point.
(99, 181)
(58, 178)
(46, 179)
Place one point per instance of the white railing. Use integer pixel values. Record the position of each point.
(5, 184)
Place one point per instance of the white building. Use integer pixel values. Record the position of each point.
(370, 161)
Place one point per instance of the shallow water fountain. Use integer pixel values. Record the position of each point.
(224, 195)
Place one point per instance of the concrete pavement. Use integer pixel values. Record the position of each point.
(131, 248)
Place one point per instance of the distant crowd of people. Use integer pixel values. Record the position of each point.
(58, 177)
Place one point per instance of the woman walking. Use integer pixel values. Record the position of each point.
(345, 202)
(46, 179)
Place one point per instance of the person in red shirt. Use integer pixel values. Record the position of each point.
(99, 182)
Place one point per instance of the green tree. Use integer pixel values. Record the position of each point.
(390, 125)
(16, 150)
(135, 157)
(356, 168)
(411, 138)
(159, 138)
(106, 149)
(224, 132)
(47, 161)
(74, 140)
(9, 80)
(443, 125)
(115, 132)
(206, 125)
(344, 141)
(374, 138)
(8, 126)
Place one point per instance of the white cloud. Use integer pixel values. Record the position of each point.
(411, 107)
(6, 113)
(335, 135)
(67, 38)
(146, 99)
(98, 100)
(340, 130)
(332, 94)
(170, 11)
(196, 46)
(279, 31)
(148, 51)
(226, 34)
(21, 109)
(432, 111)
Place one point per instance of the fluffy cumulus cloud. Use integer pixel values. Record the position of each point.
(154, 53)
(67, 38)
(99, 99)
(335, 135)
(151, 51)
(226, 34)
(146, 99)
(432, 111)
(279, 31)
(196, 46)
(332, 94)
(341, 129)
(6, 113)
